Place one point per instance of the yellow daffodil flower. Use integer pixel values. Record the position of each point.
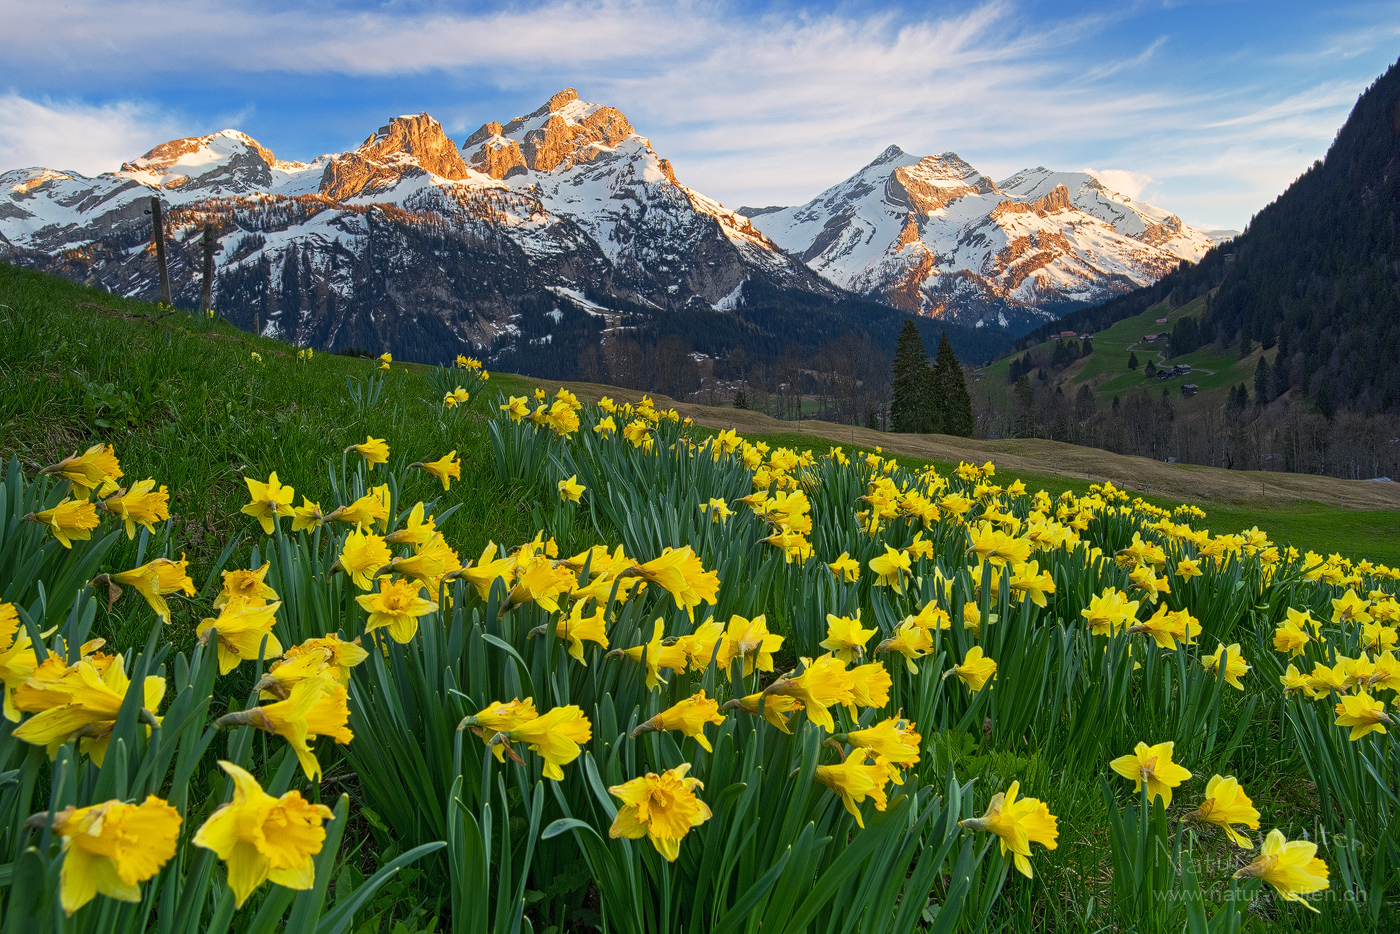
(71, 520)
(89, 701)
(375, 451)
(517, 407)
(248, 586)
(845, 638)
(1291, 639)
(555, 736)
(365, 511)
(17, 658)
(307, 517)
(417, 531)
(315, 706)
(1324, 680)
(1017, 822)
(446, 468)
(95, 469)
(663, 808)
(1227, 804)
(1293, 680)
(1031, 583)
(142, 505)
(823, 683)
(1290, 866)
(1379, 638)
(991, 544)
(268, 501)
(717, 509)
(846, 568)
(287, 673)
(910, 640)
(571, 490)
(1153, 765)
(855, 780)
(890, 568)
(112, 847)
(976, 669)
(680, 573)
(870, 687)
(1235, 665)
(363, 554)
(931, 616)
(972, 618)
(750, 640)
(892, 741)
(263, 838)
(242, 626)
(1168, 627)
(342, 655)
(157, 578)
(776, 707)
(1363, 713)
(396, 607)
(688, 716)
(1350, 608)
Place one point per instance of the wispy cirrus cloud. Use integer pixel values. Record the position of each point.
(752, 104)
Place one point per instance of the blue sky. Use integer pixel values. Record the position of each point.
(1208, 109)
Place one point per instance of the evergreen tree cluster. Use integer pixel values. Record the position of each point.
(1020, 367)
(1188, 334)
(928, 399)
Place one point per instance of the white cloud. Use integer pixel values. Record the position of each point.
(1123, 181)
(76, 136)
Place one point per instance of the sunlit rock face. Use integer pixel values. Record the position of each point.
(933, 236)
(412, 243)
(409, 242)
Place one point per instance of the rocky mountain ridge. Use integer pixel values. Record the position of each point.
(933, 236)
(409, 242)
(555, 230)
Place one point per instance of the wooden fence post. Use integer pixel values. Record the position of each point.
(158, 235)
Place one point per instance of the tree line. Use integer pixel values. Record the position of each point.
(928, 399)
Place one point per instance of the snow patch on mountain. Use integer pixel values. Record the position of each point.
(934, 236)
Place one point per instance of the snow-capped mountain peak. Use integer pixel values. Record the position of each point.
(408, 240)
(564, 130)
(413, 242)
(935, 236)
(407, 146)
(223, 162)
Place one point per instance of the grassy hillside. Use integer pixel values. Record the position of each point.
(1107, 373)
(183, 400)
(1040, 699)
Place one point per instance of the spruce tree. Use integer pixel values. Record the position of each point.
(950, 392)
(1281, 380)
(1263, 379)
(1132, 360)
(910, 381)
(933, 403)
